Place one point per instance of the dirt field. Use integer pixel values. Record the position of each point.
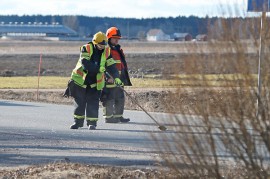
(59, 59)
(20, 58)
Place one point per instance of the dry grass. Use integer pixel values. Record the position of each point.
(76, 170)
(150, 81)
(32, 82)
(53, 82)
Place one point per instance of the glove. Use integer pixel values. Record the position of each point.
(66, 93)
(118, 82)
(102, 69)
(69, 92)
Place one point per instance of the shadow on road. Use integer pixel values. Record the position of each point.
(8, 103)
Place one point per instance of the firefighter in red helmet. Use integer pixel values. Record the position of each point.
(113, 98)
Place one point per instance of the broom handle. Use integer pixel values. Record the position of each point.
(134, 100)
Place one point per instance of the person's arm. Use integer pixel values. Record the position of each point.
(124, 73)
(90, 66)
(87, 64)
(111, 67)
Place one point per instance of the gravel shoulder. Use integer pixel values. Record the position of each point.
(148, 98)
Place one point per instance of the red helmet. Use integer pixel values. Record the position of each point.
(113, 32)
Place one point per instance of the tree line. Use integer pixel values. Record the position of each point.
(129, 27)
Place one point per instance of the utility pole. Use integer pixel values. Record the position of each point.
(263, 7)
(261, 59)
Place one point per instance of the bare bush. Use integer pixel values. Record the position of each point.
(224, 131)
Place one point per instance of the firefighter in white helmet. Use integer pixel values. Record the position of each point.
(87, 80)
(113, 98)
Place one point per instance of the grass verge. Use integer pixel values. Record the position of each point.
(54, 82)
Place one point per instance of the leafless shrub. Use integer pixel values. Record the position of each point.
(224, 131)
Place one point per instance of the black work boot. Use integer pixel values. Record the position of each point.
(92, 125)
(77, 123)
(111, 120)
(124, 120)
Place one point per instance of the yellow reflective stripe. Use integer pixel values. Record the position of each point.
(120, 115)
(93, 85)
(110, 62)
(112, 85)
(84, 86)
(117, 61)
(110, 116)
(85, 55)
(104, 113)
(78, 117)
(100, 81)
(91, 119)
(104, 57)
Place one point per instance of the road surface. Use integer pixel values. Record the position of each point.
(36, 133)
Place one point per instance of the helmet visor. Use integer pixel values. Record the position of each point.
(103, 43)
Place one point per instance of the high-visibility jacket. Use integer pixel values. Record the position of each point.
(117, 57)
(121, 65)
(79, 73)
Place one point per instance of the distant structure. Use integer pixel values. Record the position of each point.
(201, 37)
(182, 37)
(156, 35)
(35, 31)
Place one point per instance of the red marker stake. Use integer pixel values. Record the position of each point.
(39, 66)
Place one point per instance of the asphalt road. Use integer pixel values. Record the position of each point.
(36, 133)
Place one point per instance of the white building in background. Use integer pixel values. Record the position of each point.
(156, 35)
(35, 31)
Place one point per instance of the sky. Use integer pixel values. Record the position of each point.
(125, 8)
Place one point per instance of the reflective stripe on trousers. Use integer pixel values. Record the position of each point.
(113, 105)
(86, 102)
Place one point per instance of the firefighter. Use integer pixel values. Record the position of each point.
(87, 80)
(113, 98)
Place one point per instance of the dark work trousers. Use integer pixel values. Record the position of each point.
(86, 103)
(113, 104)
